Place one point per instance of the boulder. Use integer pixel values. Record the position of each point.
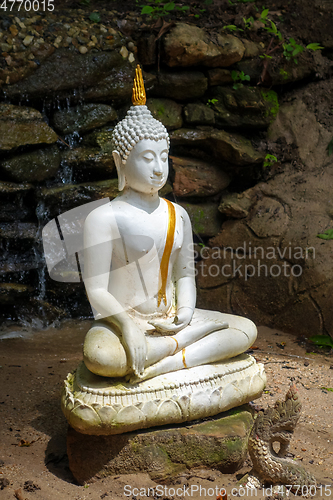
(235, 205)
(117, 86)
(181, 85)
(280, 271)
(219, 76)
(66, 70)
(20, 125)
(298, 126)
(166, 111)
(205, 218)
(83, 118)
(15, 203)
(11, 293)
(88, 163)
(59, 199)
(18, 231)
(197, 113)
(197, 178)
(188, 45)
(219, 443)
(224, 146)
(244, 107)
(34, 166)
(103, 75)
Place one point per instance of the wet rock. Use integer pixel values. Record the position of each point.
(117, 85)
(219, 76)
(10, 293)
(83, 118)
(59, 199)
(223, 145)
(88, 162)
(34, 166)
(53, 76)
(100, 138)
(18, 231)
(15, 201)
(235, 205)
(197, 178)
(147, 49)
(181, 86)
(244, 107)
(21, 125)
(167, 111)
(199, 114)
(205, 218)
(189, 45)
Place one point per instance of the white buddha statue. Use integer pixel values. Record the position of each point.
(139, 271)
(151, 358)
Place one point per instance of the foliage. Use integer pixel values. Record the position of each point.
(211, 102)
(161, 8)
(269, 160)
(85, 2)
(327, 235)
(95, 17)
(291, 49)
(330, 389)
(239, 75)
(231, 27)
(322, 340)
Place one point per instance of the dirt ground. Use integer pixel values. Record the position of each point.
(33, 456)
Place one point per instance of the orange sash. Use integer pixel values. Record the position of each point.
(164, 266)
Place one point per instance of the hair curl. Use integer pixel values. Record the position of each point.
(138, 124)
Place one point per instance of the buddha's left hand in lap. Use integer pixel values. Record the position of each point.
(175, 324)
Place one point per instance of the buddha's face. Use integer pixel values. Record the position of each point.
(146, 168)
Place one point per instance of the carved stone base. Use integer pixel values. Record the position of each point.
(102, 406)
(219, 443)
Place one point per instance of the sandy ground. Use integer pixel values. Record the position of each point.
(33, 460)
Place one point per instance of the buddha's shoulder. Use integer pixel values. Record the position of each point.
(100, 215)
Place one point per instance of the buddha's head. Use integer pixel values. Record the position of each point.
(140, 146)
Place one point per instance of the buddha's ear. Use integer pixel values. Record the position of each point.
(120, 170)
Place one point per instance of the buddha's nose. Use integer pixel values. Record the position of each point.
(158, 168)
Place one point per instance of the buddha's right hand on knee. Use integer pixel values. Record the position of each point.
(136, 347)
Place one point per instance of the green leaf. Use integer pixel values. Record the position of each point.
(327, 235)
(95, 17)
(147, 9)
(327, 389)
(322, 340)
(208, 2)
(330, 148)
(314, 46)
(247, 77)
(264, 14)
(169, 6)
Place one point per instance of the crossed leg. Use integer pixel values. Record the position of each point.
(212, 336)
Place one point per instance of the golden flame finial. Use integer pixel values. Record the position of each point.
(139, 93)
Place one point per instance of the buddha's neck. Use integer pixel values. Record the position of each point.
(145, 201)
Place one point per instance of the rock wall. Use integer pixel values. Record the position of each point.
(66, 81)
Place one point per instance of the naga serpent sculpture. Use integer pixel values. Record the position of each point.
(277, 424)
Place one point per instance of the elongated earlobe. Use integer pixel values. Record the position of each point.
(120, 170)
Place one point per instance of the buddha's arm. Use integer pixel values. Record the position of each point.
(98, 235)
